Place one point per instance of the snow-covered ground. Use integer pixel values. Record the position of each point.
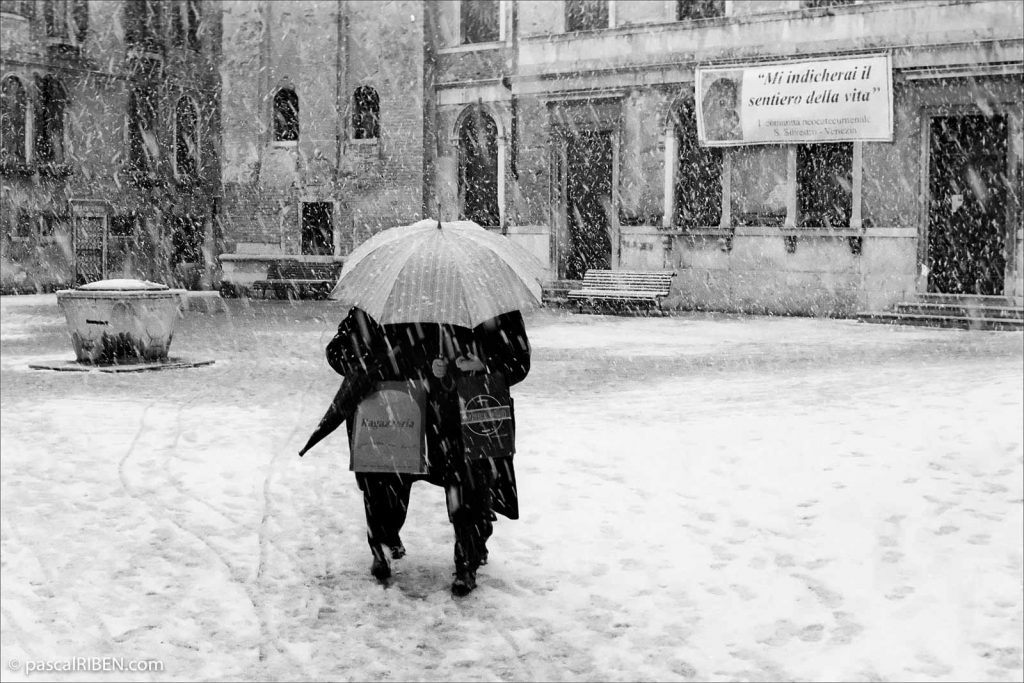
(704, 497)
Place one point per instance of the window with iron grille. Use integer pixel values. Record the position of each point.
(586, 15)
(824, 190)
(365, 113)
(478, 21)
(286, 115)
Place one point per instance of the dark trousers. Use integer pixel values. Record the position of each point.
(469, 509)
(386, 502)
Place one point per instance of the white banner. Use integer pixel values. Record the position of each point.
(831, 100)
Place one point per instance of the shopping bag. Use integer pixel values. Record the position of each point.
(488, 420)
(389, 430)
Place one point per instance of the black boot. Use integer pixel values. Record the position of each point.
(397, 549)
(381, 568)
(465, 581)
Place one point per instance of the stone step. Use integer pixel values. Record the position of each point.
(960, 299)
(960, 310)
(556, 292)
(961, 322)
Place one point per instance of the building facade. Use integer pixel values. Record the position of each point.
(591, 107)
(326, 108)
(109, 161)
(575, 127)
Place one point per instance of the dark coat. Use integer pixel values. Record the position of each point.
(366, 353)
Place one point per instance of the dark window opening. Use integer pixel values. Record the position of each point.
(699, 9)
(513, 138)
(143, 20)
(589, 159)
(811, 4)
(186, 139)
(13, 110)
(25, 226)
(479, 21)
(22, 8)
(698, 185)
(478, 169)
(365, 113)
(185, 17)
(286, 115)
(318, 228)
(51, 224)
(49, 121)
(186, 239)
(143, 146)
(824, 177)
(122, 226)
(586, 15)
(56, 18)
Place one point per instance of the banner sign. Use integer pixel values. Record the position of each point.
(831, 100)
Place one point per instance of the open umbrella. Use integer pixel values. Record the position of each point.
(453, 273)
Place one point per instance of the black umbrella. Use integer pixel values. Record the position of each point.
(342, 407)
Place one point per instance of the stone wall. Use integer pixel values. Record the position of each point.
(324, 51)
(97, 76)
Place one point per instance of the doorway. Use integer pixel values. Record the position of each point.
(318, 228)
(588, 202)
(967, 204)
(90, 248)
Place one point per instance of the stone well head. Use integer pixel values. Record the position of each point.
(121, 321)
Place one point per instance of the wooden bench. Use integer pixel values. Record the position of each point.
(623, 287)
(296, 278)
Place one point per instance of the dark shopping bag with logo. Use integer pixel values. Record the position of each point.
(488, 421)
(389, 428)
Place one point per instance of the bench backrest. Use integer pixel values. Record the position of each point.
(632, 280)
(298, 270)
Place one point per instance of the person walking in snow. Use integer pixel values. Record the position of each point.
(365, 353)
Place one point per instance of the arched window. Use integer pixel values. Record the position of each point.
(185, 18)
(67, 20)
(49, 121)
(286, 115)
(143, 147)
(186, 138)
(478, 169)
(13, 109)
(365, 113)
